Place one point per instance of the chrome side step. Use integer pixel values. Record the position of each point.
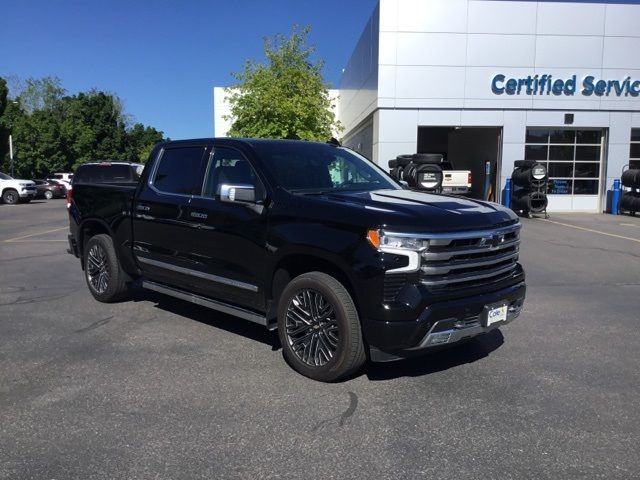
(206, 302)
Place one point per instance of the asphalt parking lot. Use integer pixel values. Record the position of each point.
(157, 388)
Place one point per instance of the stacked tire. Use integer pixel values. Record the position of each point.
(530, 183)
(630, 198)
(421, 171)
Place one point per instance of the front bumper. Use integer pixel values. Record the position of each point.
(28, 193)
(440, 324)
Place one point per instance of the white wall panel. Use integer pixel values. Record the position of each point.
(568, 52)
(398, 126)
(515, 122)
(570, 18)
(622, 20)
(430, 82)
(501, 50)
(387, 82)
(502, 17)
(432, 16)
(621, 52)
(388, 47)
(620, 128)
(431, 48)
(479, 118)
(439, 117)
(389, 15)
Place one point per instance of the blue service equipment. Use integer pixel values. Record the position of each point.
(615, 198)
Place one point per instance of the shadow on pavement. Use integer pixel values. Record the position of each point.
(237, 326)
(472, 351)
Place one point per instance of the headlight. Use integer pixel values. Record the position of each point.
(399, 245)
(23, 184)
(383, 241)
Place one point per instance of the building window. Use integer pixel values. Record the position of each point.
(572, 157)
(634, 150)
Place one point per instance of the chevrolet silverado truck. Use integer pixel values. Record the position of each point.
(310, 239)
(14, 190)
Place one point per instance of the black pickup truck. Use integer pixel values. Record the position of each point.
(307, 238)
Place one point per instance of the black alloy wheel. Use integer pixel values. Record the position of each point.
(312, 328)
(106, 280)
(97, 269)
(319, 328)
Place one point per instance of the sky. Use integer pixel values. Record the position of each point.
(163, 57)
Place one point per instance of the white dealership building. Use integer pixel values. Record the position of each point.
(488, 82)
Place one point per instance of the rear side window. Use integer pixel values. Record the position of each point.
(180, 171)
(106, 174)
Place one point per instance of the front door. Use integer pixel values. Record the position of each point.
(229, 239)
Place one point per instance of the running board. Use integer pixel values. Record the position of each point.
(206, 302)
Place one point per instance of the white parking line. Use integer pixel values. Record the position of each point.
(36, 234)
(594, 231)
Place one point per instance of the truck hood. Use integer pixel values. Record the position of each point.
(19, 180)
(420, 212)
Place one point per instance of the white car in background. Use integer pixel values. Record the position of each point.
(13, 190)
(63, 177)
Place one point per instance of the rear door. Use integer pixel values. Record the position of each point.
(162, 234)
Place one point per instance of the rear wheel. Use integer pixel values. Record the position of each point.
(319, 328)
(10, 196)
(105, 278)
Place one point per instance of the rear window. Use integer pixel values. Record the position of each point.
(180, 171)
(107, 173)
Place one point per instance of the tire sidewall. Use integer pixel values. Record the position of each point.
(48, 194)
(13, 192)
(105, 242)
(331, 370)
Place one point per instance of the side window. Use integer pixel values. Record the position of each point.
(230, 167)
(180, 171)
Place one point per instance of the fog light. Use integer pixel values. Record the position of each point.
(438, 338)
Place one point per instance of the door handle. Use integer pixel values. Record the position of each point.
(142, 207)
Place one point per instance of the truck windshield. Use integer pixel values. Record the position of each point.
(4, 176)
(311, 168)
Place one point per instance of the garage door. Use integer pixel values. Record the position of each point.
(573, 158)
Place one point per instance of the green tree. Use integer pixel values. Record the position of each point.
(4, 131)
(285, 97)
(140, 141)
(40, 94)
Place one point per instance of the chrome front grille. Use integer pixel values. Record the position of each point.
(462, 260)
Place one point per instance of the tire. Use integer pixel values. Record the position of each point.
(427, 177)
(524, 163)
(631, 178)
(48, 194)
(403, 160)
(105, 278)
(426, 158)
(10, 196)
(328, 349)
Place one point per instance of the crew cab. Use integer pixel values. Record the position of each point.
(14, 190)
(310, 239)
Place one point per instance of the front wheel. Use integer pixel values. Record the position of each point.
(10, 196)
(319, 328)
(48, 194)
(105, 279)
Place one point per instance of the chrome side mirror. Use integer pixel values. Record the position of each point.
(241, 193)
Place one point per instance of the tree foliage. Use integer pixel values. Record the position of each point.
(54, 132)
(285, 97)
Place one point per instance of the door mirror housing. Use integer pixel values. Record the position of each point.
(240, 193)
